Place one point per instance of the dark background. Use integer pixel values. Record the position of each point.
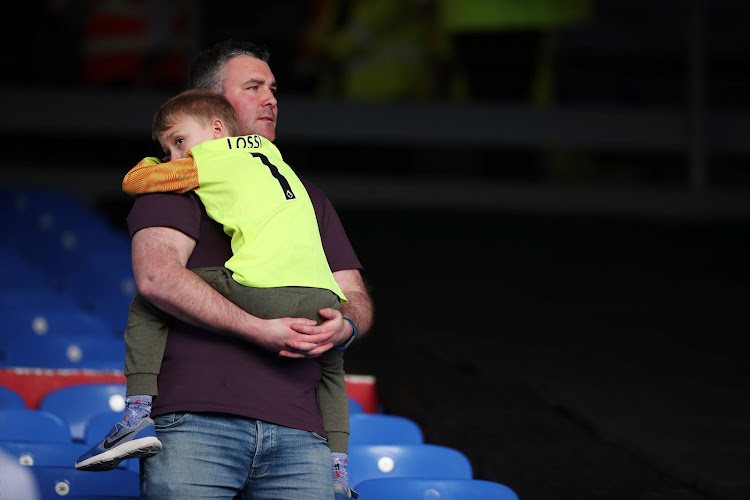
(560, 281)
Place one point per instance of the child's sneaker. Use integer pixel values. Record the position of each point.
(121, 443)
(341, 492)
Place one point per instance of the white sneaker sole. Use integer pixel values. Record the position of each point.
(142, 447)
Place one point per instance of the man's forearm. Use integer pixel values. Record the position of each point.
(159, 255)
(359, 306)
(334, 329)
(359, 309)
(190, 299)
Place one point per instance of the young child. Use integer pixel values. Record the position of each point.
(278, 267)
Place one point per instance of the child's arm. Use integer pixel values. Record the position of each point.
(151, 176)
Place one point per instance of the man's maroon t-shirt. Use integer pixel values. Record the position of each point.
(206, 372)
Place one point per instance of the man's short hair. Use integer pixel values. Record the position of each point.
(207, 69)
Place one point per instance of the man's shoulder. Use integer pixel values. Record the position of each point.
(313, 190)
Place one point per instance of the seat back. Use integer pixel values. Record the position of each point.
(105, 285)
(409, 488)
(355, 406)
(106, 353)
(9, 398)
(77, 404)
(28, 425)
(47, 320)
(69, 482)
(50, 322)
(44, 454)
(380, 428)
(41, 297)
(414, 460)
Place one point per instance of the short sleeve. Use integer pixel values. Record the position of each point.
(178, 211)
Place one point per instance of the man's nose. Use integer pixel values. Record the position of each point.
(270, 99)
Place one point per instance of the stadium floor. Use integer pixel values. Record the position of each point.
(567, 357)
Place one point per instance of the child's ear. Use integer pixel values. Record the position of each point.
(218, 127)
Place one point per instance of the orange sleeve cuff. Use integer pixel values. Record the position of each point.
(151, 176)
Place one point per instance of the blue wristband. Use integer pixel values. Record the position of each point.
(351, 339)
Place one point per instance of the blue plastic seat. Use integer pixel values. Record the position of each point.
(19, 308)
(26, 207)
(9, 398)
(25, 277)
(408, 488)
(18, 272)
(50, 322)
(415, 460)
(44, 454)
(112, 304)
(59, 241)
(49, 234)
(104, 285)
(69, 482)
(77, 404)
(380, 428)
(29, 425)
(11, 257)
(67, 353)
(355, 407)
(36, 297)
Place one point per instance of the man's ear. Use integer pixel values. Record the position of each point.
(218, 127)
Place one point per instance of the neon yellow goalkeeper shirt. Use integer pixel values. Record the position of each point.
(263, 206)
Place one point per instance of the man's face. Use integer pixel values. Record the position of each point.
(250, 87)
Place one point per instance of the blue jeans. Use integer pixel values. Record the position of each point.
(211, 455)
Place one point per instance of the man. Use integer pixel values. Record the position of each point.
(238, 416)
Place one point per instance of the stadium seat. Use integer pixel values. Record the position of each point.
(25, 277)
(50, 237)
(42, 297)
(9, 398)
(19, 271)
(99, 497)
(104, 284)
(50, 322)
(25, 209)
(114, 308)
(69, 482)
(59, 241)
(44, 454)
(355, 407)
(28, 425)
(11, 257)
(77, 404)
(28, 312)
(365, 428)
(73, 353)
(415, 460)
(408, 488)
